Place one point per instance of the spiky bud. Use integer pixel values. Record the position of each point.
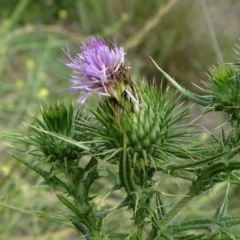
(146, 133)
(57, 117)
(58, 120)
(223, 87)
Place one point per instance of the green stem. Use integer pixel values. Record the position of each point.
(199, 186)
(82, 229)
(207, 160)
(194, 191)
(139, 216)
(173, 167)
(177, 208)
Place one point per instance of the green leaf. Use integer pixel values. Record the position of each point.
(79, 215)
(165, 235)
(49, 180)
(92, 175)
(202, 100)
(160, 206)
(125, 202)
(39, 214)
(125, 170)
(227, 232)
(113, 235)
(61, 137)
(190, 237)
(222, 210)
(115, 177)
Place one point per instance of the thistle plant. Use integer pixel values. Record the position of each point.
(135, 133)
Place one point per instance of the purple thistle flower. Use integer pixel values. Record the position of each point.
(98, 68)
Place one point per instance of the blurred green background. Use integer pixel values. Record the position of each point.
(183, 36)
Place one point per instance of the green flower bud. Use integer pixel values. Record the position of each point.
(58, 120)
(220, 73)
(222, 93)
(149, 126)
(224, 89)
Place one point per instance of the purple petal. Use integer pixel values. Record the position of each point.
(94, 66)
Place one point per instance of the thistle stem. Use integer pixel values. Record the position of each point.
(177, 208)
(198, 187)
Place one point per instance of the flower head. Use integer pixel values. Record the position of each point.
(98, 68)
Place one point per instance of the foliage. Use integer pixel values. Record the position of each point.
(137, 140)
(31, 34)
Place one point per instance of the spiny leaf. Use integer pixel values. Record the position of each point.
(222, 209)
(227, 232)
(115, 177)
(61, 137)
(92, 175)
(39, 214)
(160, 206)
(194, 97)
(49, 180)
(190, 237)
(80, 216)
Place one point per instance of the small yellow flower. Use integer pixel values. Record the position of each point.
(2, 50)
(43, 93)
(62, 14)
(5, 170)
(25, 187)
(30, 64)
(125, 16)
(9, 103)
(6, 22)
(19, 83)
